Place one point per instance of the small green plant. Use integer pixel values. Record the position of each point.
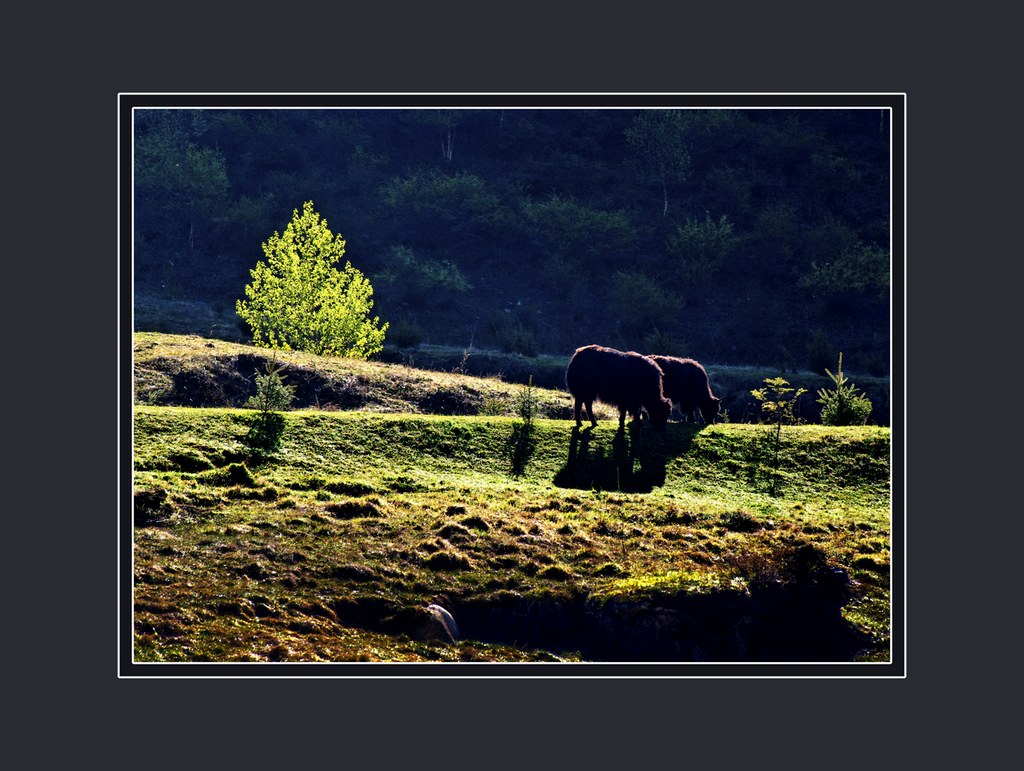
(526, 403)
(778, 402)
(842, 405)
(522, 440)
(272, 395)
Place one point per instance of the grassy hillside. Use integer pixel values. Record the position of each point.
(191, 370)
(187, 370)
(547, 545)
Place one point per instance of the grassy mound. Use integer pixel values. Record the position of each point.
(184, 370)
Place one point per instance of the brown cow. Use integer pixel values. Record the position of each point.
(627, 380)
(686, 384)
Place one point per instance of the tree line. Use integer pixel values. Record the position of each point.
(734, 236)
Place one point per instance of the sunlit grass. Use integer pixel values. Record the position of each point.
(325, 550)
(286, 558)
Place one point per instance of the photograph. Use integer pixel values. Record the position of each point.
(511, 385)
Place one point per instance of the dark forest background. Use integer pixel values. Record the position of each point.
(740, 236)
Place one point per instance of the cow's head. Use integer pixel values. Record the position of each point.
(659, 412)
(710, 410)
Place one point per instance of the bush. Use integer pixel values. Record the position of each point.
(526, 403)
(640, 302)
(522, 441)
(492, 407)
(409, 279)
(267, 427)
(778, 403)
(842, 405)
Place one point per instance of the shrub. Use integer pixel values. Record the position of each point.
(493, 407)
(526, 403)
(409, 279)
(842, 405)
(778, 401)
(267, 427)
(522, 441)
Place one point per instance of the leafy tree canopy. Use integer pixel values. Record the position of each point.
(299, 300)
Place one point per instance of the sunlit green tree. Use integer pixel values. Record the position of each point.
(299, 300)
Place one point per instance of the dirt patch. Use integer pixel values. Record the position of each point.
(218, 384)
(152, 507)
(353, 509)
(359, 573)
(454, 532)
(451, 402)
(447, 561)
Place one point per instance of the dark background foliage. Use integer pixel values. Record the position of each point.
(743, 236)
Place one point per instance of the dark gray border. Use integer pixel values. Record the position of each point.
(68, 117)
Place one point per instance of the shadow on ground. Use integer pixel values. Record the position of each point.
(634, 462)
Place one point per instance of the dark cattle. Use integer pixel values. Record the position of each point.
(627, 380)
(686, 384)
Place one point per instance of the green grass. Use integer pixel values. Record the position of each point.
(324, 551)
(397, 487)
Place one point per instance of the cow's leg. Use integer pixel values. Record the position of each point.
(590, 413)
(577, 409)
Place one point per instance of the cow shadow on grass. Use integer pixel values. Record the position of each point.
(635, 460)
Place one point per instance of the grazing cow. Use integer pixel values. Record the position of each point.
(686, 384)
(627, 380)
